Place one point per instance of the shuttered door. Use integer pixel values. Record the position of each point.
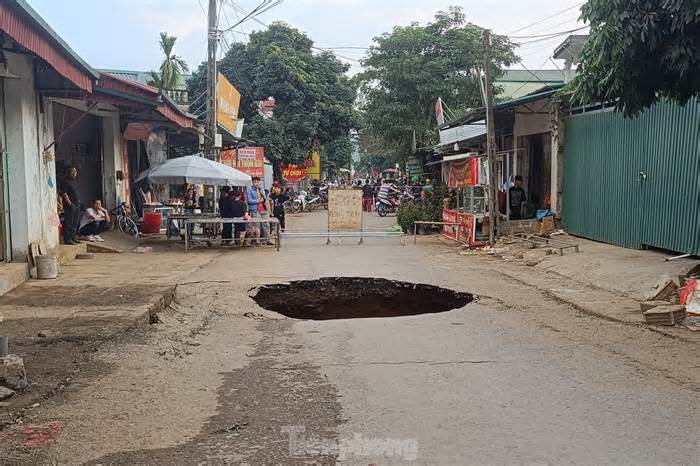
(635, 182)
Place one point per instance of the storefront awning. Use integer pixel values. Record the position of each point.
(456, 158)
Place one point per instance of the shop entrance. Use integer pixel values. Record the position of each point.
(79, 146)
(538, 175)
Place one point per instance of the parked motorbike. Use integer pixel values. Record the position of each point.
(299, 203)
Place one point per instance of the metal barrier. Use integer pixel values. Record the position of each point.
(346, 234)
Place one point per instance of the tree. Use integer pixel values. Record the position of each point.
(314, 97)
(172, 68)
(407, 69)
(639, 51)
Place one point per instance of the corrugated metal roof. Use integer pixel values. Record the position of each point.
(24, 25)
(524, 76)
(143, 77)
(479, 113)
(461, 133)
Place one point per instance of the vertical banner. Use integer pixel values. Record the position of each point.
(228, 157)
(461, 173)
(313, 165)
(345, 210)
(228, 101)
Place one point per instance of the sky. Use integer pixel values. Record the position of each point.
(123, 34)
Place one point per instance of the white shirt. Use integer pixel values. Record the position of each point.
(88, 216)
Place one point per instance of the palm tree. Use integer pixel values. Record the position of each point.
(172, 68)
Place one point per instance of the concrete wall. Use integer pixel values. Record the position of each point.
(112, 146)
(31, 173)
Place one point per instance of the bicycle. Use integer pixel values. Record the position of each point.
(124, 222)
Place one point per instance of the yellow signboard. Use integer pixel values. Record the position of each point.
(228, 101)
(345, 210)
(313, 169)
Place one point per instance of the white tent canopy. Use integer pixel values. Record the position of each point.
(195, 169)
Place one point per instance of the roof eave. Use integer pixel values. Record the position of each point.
(56, 38)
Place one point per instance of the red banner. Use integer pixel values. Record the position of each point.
(293, 173)
(251, 160)
(464, 232)
(228, 157)
(463, 173)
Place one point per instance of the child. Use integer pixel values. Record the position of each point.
(239, 208)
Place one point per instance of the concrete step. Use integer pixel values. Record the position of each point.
(66, 252)
(12, 275)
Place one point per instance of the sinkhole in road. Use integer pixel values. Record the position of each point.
(356, 298)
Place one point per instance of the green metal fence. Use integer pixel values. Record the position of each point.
(635, 182)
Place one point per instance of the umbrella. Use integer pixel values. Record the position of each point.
(195, 169)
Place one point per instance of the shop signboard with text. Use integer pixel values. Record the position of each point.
(228, 102)
(293, 173)
(251, 160)
(228, 157)
(464, 232)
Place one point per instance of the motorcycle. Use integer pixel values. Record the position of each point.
(323, 196)
(385, 207)
(298, 203)
(305, 203)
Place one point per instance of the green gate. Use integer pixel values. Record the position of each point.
(635, 182)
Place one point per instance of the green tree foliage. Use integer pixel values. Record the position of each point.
(639, 51)
(314, 96)
(407, 69)
(173, 67)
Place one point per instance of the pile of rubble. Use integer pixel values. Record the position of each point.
(13, 377)
(677, 302)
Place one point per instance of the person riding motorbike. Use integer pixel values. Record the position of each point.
(388, 193)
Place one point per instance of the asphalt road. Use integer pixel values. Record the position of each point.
(512, 378)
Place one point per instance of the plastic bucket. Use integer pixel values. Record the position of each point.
(152, 222)
(46, 267)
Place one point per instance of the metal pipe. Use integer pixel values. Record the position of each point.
(682, 256)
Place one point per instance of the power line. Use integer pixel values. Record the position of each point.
(265, 6)
(552, 36)
(548, 17)
(553, 26)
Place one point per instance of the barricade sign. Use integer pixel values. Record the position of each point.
(345, 210)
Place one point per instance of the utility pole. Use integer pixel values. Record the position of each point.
(211, 129)
(491, 138)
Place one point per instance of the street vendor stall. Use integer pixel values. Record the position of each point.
(464, 175)
(195, 169)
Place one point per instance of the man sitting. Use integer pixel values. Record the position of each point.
(94, 221)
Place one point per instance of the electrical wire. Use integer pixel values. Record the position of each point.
(551, 34)
(554, 15)
(265, 6)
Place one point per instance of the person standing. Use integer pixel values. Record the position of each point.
(427, 188)
(367, 197)
(278, 199)
(226, 211)
(258, 208)
(71, 207)
(517, 198)
(238, 210)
